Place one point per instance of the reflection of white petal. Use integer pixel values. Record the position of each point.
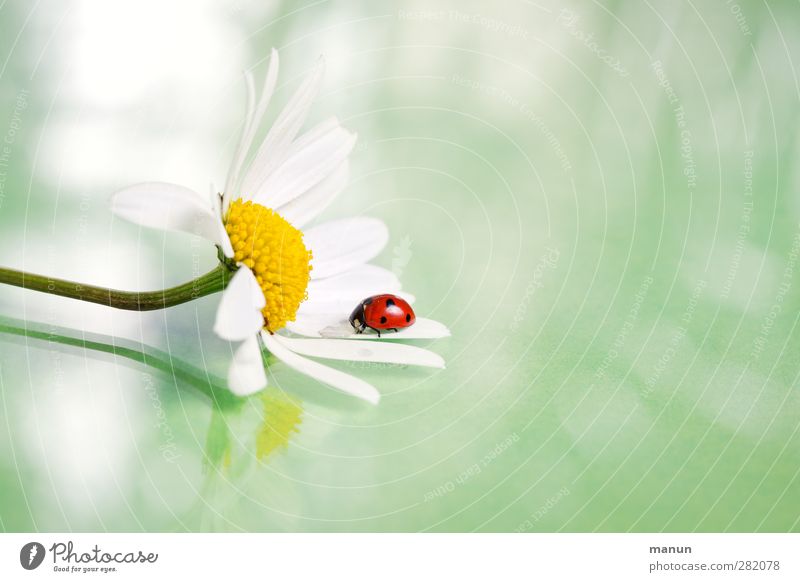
(340, 245)
(309, 205)
(337, 326)
(277, 145)
(306, 166)
(246, 373)
(167, 207)
(386, 352)
(252, 121)
(339, 380)
(239, 312)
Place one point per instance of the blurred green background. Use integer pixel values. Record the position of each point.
(598, 198)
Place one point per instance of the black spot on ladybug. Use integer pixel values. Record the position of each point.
(408, 317)
(389, 302)
(383, 319)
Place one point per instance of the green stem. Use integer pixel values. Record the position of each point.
(212, 282)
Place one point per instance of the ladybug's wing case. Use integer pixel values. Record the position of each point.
(373, 312)
(388, 312)
(395, 317)
(408, 316)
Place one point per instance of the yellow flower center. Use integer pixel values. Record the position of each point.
(273, 249)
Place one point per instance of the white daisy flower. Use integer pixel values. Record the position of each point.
(286, 279)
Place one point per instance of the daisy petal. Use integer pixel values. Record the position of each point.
(315, 133)
(252, 121)
(343, 305)
(167, 207)
(339, 380)
(240, 152)
(340, 245)
(309, 205)
(306, 166)
(422, 329)
(224, 240)
(389, 353)
(239, 312)
(337, 326)
(309, 324)
(246, 374)
(276, 146)
(356, 284)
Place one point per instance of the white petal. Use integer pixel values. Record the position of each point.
(252, 121)
(385, 352)
(276, 146)
(224, 240)
(340, 245)
(239, 312)
(310, 324)
(270, 79)
(167, 207)
(307, 165)
(246, 374)
(358, 283)
(337, 326)
(422, 329)
(240, 152)
(222, 235)
(342, 306)
(309, 205)
(339, 380)
(323, 128)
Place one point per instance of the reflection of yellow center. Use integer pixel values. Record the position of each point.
(273, 249)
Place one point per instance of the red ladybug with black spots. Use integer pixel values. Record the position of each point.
(382, 313)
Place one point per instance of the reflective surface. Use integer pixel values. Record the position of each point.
(599, 200)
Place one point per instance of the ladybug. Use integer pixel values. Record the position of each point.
(381, 313)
